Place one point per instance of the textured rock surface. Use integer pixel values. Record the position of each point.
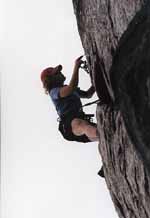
(118, 55)
(131, 81)
(127, 179)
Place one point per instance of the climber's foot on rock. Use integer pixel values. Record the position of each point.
(101, 172)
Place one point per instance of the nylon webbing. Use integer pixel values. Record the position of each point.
(90, 103)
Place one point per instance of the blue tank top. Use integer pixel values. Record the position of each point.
(65, 105)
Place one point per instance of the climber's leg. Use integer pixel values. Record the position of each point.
(81, 127)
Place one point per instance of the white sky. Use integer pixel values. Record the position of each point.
(42, 174)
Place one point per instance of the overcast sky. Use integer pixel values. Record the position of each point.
(44, 176)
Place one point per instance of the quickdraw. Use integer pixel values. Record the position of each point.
(84, 66)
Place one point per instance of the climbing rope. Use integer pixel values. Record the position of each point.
(92, 102)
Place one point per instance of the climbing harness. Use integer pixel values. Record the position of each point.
(89, 116)
(66, 129)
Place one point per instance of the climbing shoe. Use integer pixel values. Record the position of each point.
(101, 172)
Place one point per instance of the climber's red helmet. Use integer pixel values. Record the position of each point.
(50, 71)
(52, 77)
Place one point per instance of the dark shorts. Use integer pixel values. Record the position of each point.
(66, 129)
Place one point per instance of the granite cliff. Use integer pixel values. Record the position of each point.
(116, 39)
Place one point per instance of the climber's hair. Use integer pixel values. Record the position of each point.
(51, 82)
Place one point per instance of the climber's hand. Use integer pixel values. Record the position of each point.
(78, 61)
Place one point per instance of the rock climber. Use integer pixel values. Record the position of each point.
(74, 124)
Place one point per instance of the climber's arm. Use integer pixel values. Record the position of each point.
(90, 91)
(87, 94)
(67, 90)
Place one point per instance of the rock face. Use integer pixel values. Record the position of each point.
(116, 39)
